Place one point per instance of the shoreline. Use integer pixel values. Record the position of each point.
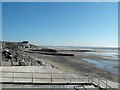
(75, 65)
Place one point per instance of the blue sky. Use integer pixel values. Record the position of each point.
(66, 24)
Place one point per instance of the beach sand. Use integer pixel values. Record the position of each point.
(74, 64)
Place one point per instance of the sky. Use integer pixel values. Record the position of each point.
(60, 0)
(61, 23)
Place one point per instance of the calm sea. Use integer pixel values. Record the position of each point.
(86, 47)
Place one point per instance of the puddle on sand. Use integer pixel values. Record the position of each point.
(105, 65)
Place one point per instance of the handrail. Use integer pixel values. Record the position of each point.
(89, 78)
(37, 72)
(101, 79)
(45, 78)
(51, 77)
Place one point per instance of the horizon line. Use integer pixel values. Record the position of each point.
(64, 45)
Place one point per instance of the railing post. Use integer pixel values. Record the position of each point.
(98, 82)
(91, 78)
(88, 80)
(106, 84)
(65, 76)
(70, 77)
(32, 77)
(51, 77)
(13, 76)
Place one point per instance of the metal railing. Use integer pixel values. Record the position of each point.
(34, 77)
(101, 82)
(37, 77)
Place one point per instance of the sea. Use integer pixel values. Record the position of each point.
(111, 56)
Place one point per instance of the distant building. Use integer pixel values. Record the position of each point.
(0, 45)
(3, 45)
(25, 44)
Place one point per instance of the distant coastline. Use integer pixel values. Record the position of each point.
(84, 47)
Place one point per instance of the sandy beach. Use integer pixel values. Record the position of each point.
(75, 64)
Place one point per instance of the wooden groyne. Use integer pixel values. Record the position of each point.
(57, 54)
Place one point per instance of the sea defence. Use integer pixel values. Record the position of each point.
(49, 52)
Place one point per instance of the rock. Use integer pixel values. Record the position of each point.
(52, 66)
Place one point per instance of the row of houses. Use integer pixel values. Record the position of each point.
(23, 44)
